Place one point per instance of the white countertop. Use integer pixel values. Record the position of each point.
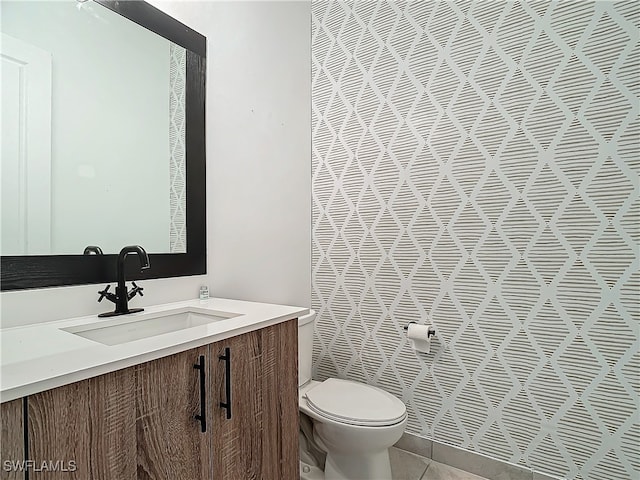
(39, 357)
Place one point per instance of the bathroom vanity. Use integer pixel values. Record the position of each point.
(207, 400)
(185, 391)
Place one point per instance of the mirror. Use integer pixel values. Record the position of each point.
(103, 141)
(62, 62)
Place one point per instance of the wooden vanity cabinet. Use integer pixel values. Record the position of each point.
(170, 444)
(134, 423)
(139, 423)
(260, 440)
(11, 438)
(85, 430)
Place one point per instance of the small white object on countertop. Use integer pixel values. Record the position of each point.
(204, 292)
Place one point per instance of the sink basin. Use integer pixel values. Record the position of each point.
(127, 329)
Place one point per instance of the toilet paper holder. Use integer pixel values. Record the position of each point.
(431, 332)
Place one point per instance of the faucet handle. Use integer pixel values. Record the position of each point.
(105, 293)
(135, 290)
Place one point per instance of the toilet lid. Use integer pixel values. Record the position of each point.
(355, 403)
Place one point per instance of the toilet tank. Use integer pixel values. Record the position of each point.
(305, 347)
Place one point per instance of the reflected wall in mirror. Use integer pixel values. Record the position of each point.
(103, 141)
(93, 131)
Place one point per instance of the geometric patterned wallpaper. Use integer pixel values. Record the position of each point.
(476, 166)
(177, 172)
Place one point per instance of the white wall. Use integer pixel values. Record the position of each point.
(258, 146)
(258, 166)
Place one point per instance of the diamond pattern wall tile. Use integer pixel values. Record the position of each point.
(177, 150)
(545, 119)
(576, 152)
(613, 465)
(517, 95)
(570, 19)
(448, 422)
(522, 423)
(576, 428)
(475, 166)
(580, 364)
(467, 104)
(604, 55)
(495, 439)
(543, 452)
(484, 16)
(577, 224)
(617, 192)
(547, 256)
(574, 82)
(629, 293)
(521, 357)
(464, 410)
(490, 256)
(464, 45)
(443, 84)
(444, 138)
(495, 382)
(579, 293)
(494, 197)
(518, 160)
(543, 59)
(520, 226)
(612, 334)
(446, 256)
(617, 105)
(547, 192)
(599, 399)
(520, 290)
(514, 35)
(469, 227)
(491, 73)
(611, 256)
(549, 394)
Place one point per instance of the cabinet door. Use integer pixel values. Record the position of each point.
(12, 440)
(260, 440)
(85, 430)
(171, 444)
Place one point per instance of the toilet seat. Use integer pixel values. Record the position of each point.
(355, 403)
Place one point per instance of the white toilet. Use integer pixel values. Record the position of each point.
(354, 423)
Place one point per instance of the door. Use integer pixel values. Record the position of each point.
(25, 129)
(171, 443)
(260, 439)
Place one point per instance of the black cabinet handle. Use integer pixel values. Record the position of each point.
(203, 395)
(227, 380)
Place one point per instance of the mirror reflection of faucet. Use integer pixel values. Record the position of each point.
(122, 295)
(92, 250)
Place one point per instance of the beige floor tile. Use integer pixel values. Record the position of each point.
(405, 465)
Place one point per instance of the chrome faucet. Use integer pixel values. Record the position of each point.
(123, 295)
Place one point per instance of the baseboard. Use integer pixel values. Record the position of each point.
(415, 444)
(468, 461)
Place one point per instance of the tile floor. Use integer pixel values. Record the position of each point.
(408, 466)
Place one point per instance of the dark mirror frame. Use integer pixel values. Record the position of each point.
(38, 271)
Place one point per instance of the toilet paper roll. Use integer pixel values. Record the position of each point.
(419, 337)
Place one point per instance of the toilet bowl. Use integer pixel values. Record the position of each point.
(354, 423)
